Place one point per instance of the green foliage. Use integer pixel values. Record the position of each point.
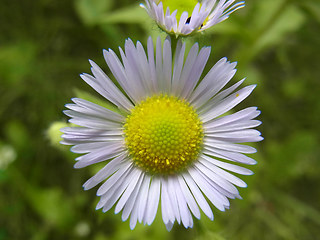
(45, 44)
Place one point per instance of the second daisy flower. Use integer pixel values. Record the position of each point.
(185, 17)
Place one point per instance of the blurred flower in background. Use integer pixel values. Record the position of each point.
(189, 16)
(7, 156)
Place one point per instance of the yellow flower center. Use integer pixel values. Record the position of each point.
(163, 135)
(180, 5)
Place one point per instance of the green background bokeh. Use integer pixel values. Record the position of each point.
(45, 45)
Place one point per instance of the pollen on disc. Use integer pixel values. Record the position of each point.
(163, 135)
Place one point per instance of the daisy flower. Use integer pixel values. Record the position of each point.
(169, 143)
(189, 16)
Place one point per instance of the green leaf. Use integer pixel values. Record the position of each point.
(130, 15)
(270, 24)
(90, 10)
(290, 20)
(313, 7)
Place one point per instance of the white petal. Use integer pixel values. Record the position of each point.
(131, 203)
(173, 199)
(230, 167)
(189, 198)
(167, 66)
(159, 67)
(114, 178)
(153, 200)
(134, 217)
(213, 102)
(221, 191)
(221, 196)
(183, 19)
(245, 114)
(243, 139)
(137, 68)
(195, 14)
(187, 68)
(106, 197)
(144, 69)
(231, 156)
(105, 172)
(196, 71)
(153, 76)
(227, 176)
(90, 147)
(178, 64)
(218, 179)
(218, 76)
(143, 198)
(91, 121)
(99, 155)
(209, 191)
(119, 190)
(169, 226)
(223, 145)
(166, 208)
(182, 204)
(91, 109)
(137, 88)
(74, 139)
(198, 196)
(227, 103)
(109, 87)
(235, 126)
(119, 72)
(246, 133)
(88, 132)
(127, 193)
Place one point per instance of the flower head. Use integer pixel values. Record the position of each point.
(184, 17)
(171, 141)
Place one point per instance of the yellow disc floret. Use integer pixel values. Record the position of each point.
(163, 135)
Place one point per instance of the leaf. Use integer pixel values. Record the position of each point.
(130, 15)
(90, 10)
(271, 28)
(303, 209)
(313, 7)
(290, 20)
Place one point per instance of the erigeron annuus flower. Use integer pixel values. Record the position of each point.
(171, 142)
(184, 17)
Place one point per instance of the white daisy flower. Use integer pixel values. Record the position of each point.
(170, 142)
(189, 16)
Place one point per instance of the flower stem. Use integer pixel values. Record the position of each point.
(174, 41)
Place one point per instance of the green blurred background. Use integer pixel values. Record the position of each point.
(45, 45)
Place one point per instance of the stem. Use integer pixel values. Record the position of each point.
(174, 42)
